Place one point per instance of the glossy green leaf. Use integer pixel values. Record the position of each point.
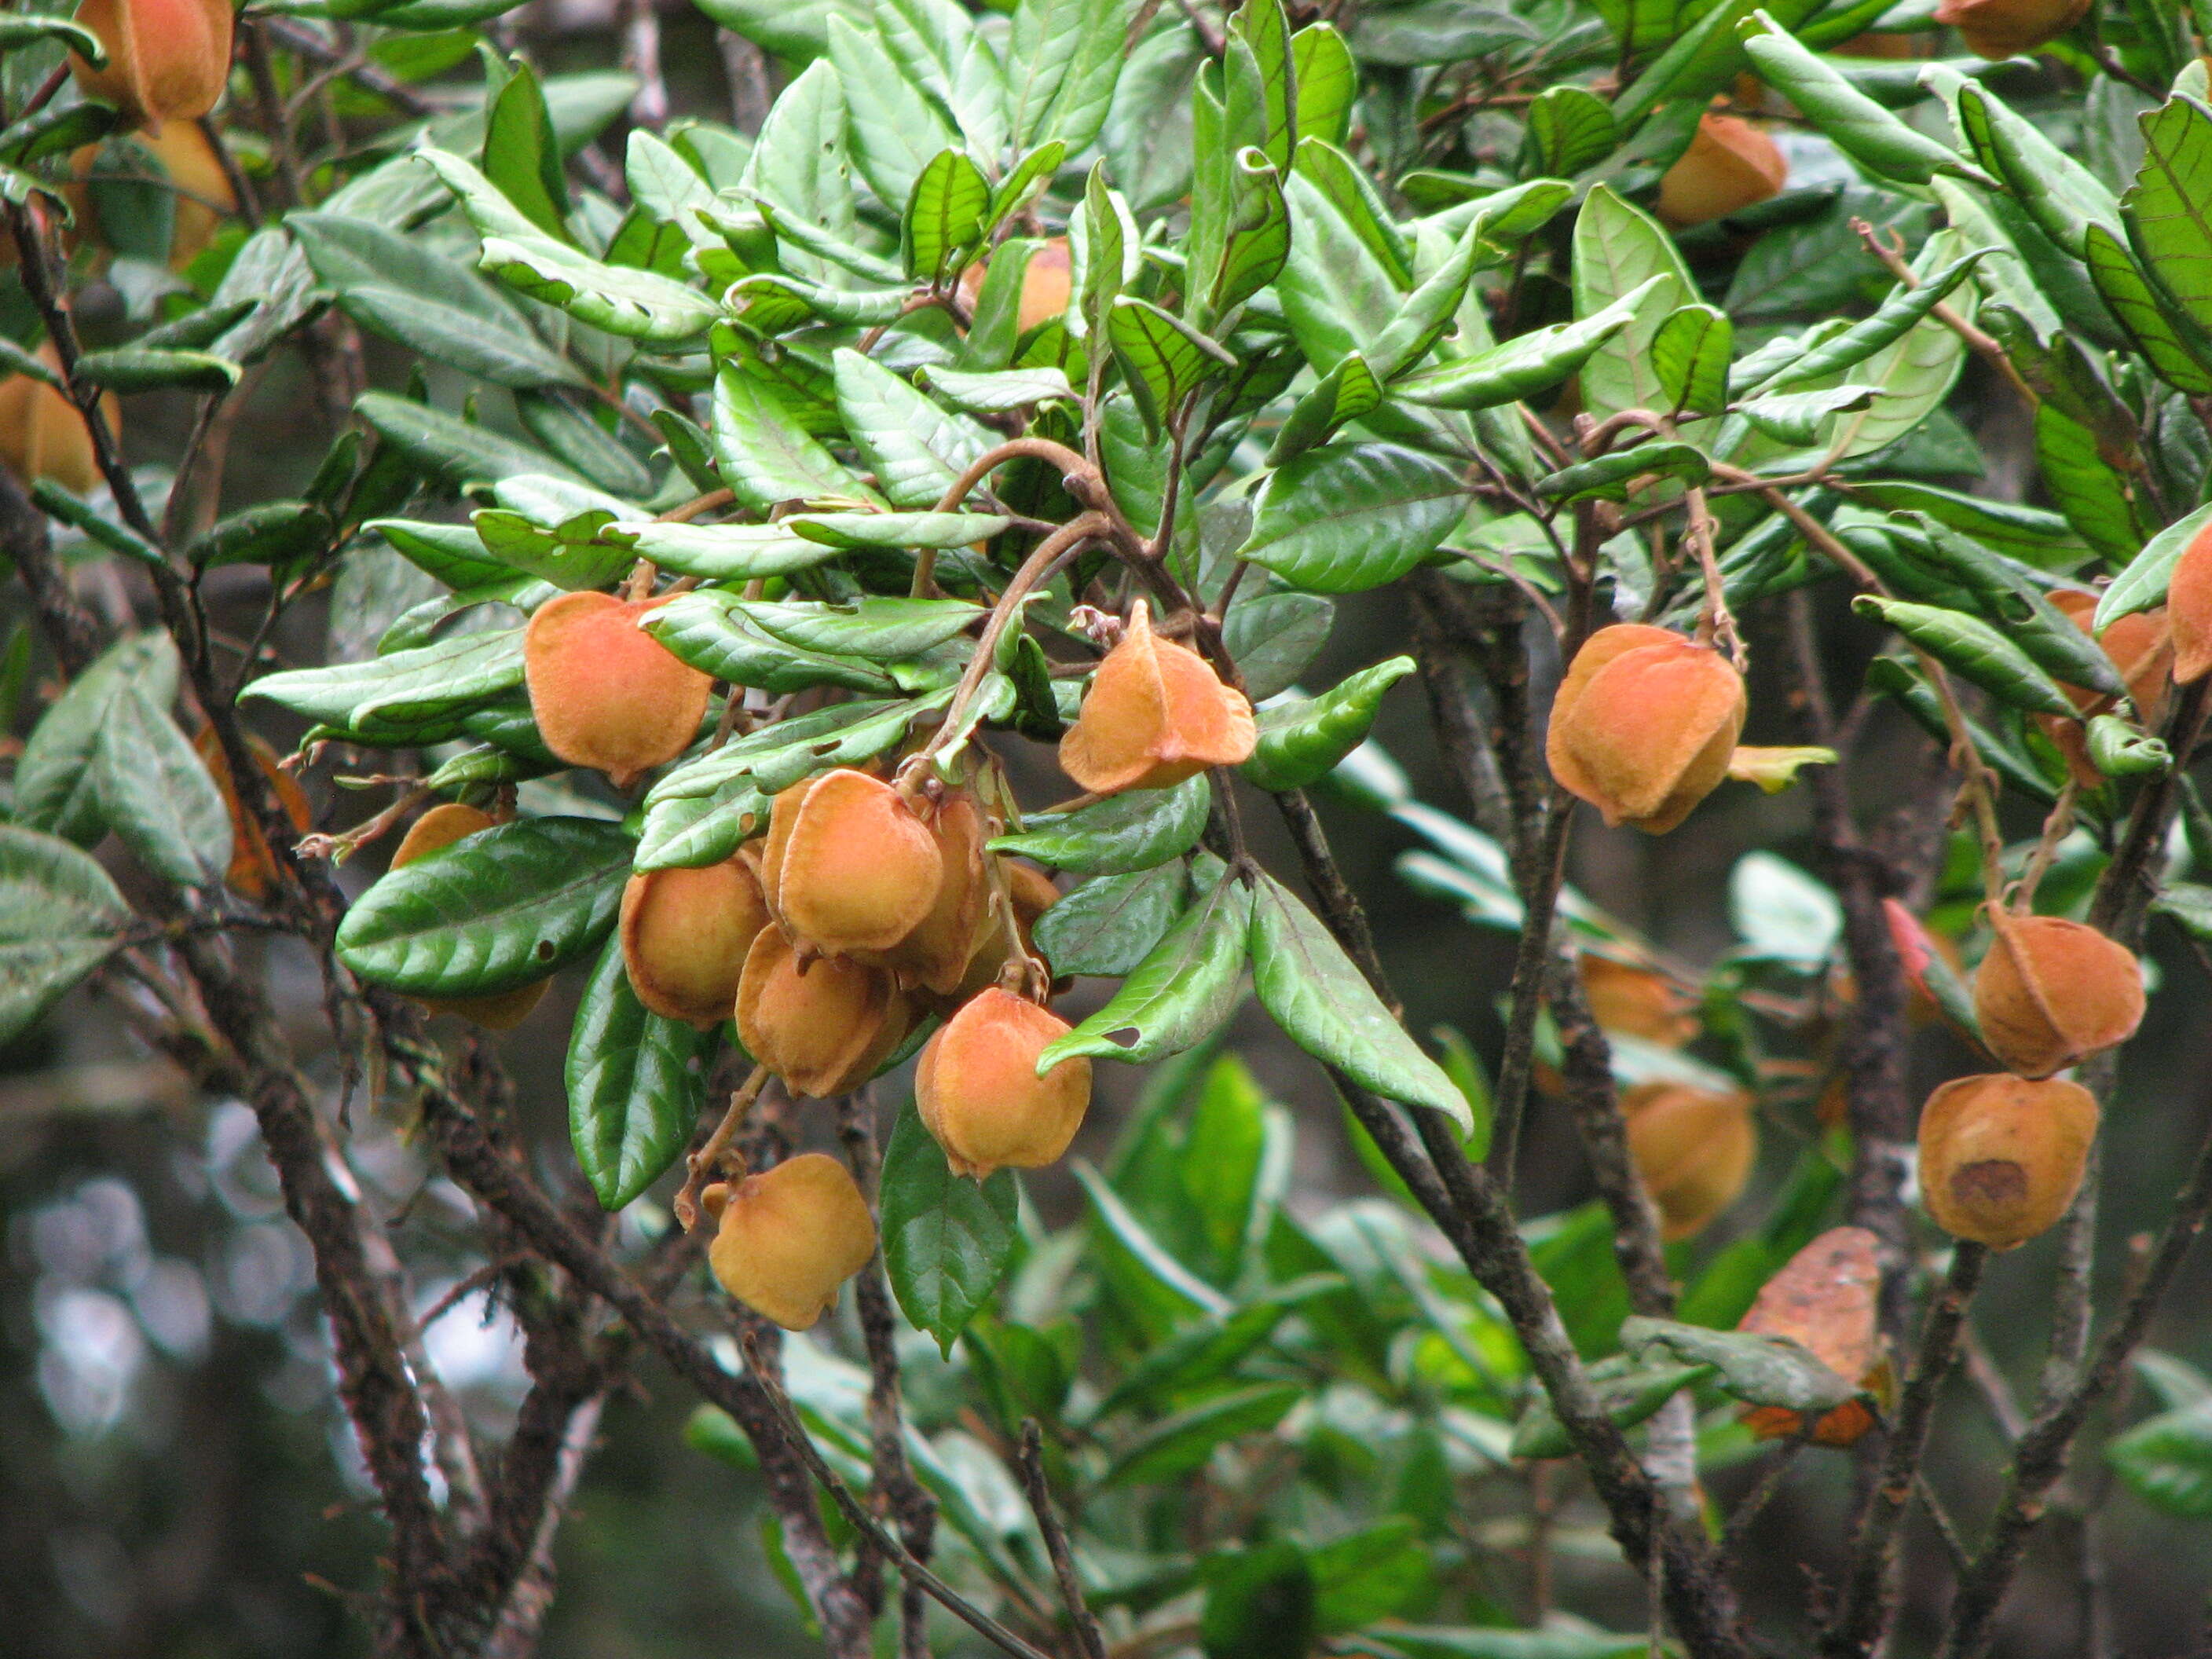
(1858, 126)
(157, 794)
(1624, 264)
(2166, 1461)
(1542, 358)
(1897, 314)
(2096, 500)
(1133, 830)
(1165, 358)
(2168, 208)
(1569, 129)
(2171, 345)
(1061, 66)
(1302, 740)
(1759, 1370)
(397, 695)
(1109, 924)
(916, 450)
(713, 631)
(56, 777)
(2142, 585)
(895, 128)
(638, 305)
(766, 457)
(1180, 995)
(1351, 516)
(1975, 651)
(1176, 1445)
(1690, 354)
(1340, 397)
(461, 454)
(946, 216)
(637, 1085)
(1609, 477)
(521, 156)
(947, 1240)
(504, 907)
(1273, 637)
(2062, 197)
(1627, 1391)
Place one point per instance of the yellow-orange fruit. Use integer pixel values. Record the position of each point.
(823, 1030)
(2189, 609)
(1047, 284)
(684, 936)
(1637, 1001)
(1694, 1149)
(201, 192)
(849, 866)
(1825, 1299)
(605, 693)
(2005, 28)
(978, 1091)
(1643, 725)
(2051, 992)
(935, 952)
(789, 1236)
(1156, 714)
(440, 827)
(2000, 1157)
(167, 59)
(253, 870)
(1729, 165)
(43, 436)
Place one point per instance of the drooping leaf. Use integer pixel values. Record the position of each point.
(947, 1239)
(636, 1084)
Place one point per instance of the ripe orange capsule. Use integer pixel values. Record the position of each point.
(1047, 285)
(605, 693)
(978, 1090)
(43, 436)
(253, 870)
(1643, 725)
(824, 1030)
(2005, 28)
(440, 827)
(1729, 165)
(1694, 1149)
(2050, 992)
(167, 59)
(1637, 1001)
(1825, 1299)
(848, 865)
(684, 937)
(1156, 714)
(2000, 1157)
(789, 1236)
(2189, 609)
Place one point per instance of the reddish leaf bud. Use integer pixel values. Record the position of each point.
(1694, 1149)
(978, 1090)
(167, 59)
(1157, 714)
(1644, 723)
(1825, 1299)
(684, 936)
(2050, 992)
(848, 865)
(824, 1029)
(605, 693)
(2002, 1158)
(440, 827)
(1729, 165)
(789, 1236)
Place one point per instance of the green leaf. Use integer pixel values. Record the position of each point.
(1408, 1642)
(444, 446)
(637, 304)
(1609, 477)
(1134, 831)
(637, 1085)
(1302, 740)
(713, 632)
(1976, 651)
(1061, 65)
(1338, 289)
(946, 216)
(392, 697)
(1000, 391)
(1861, 128)
(878, 628)
(1108, 925)
(131, 369)
(1351, 516)
(2142, 585)
(1622, 259)
(895, 128)
(2168, 208)
(2174, 348)
(766, 457)
(1568, 128)
(2009, 599)
(2166, 1461)
(2062, 197)
(1259, 1603)
(1795, 417)
(1343, 395)
(1180, 995)
(947, 1241)
(1273, 637)
(1690, 354)
(1532, 363)
(1628, 1393)
(521, 157)
(1759, 1370)
(1207, 1349)
(1326, 1006)
(157, 794)
(505, 907)
(273, 533)
(1178, 1444)
(56, 776)
(1380, 1571)
(60, 917)
(1897, 314)
(1165, 358)
(2096, 501)
(2036, 537)
(2119, 751)
(18, 30)
(916, 450)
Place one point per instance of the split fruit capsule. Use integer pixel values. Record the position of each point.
(605, 693)
(1157, 714)
(1825, 1300)
(2001, 1157)
(1643, 725)
(253, 870)
(2050, 992)
(43, 436)
(167, 59)
(684, 936)
(436, 829)
(824, 1026)
(788, 1237)
(849, 865)
(1997, 29)
(978, 1091)
(1729, 165)
(1694, 1149)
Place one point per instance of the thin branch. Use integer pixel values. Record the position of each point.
(1030, 1459)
